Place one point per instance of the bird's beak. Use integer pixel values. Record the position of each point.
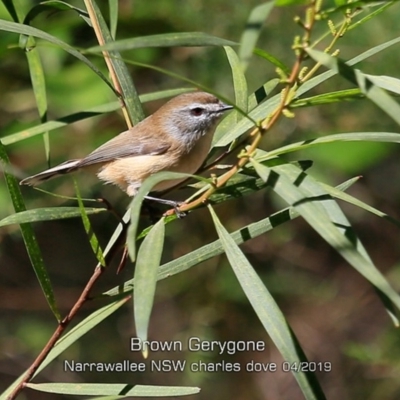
(226, 107)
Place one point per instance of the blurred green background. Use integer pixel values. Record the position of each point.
(335, 314)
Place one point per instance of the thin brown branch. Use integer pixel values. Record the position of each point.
(62, 326)
(106, 55)
(258, 132)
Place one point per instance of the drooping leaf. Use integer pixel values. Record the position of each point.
(8, 26)
(366, 85)
(323, 214)
(165, 40)
(239, 81)
(94, 242)
(135, 206)
(28, 235)
(215, 248)
(252, 31)
(147, 264)
(107, 389)
(267, 311)
(47, 214)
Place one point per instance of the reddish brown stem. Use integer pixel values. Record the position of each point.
(98, 271)
(57, 334)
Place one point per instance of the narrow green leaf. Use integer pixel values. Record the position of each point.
(267, 311)
(272, 59)
(252, 31)
(113, 7)
(262, 93)
(117, 397)
(285, 3)
(94, 242)
(16, 13)
(81, 329)
(328, 98)
(95, 389)
(147, 264)
(356, 6)
(71, 337)
(373, 92)
(39, 88)
(387, 137)
(240, 185)
(119, 232)
(385, 82)
(215, 248)
(180, 78)
(175, 39)
(28, 235)
(61, 122)
(264, 109)
(226, 134)
(31, 31)
(230, 123)
(45, 6)
(371, 15)
(239, 81)
(135, 206)
(263, 173)
(129, 92)
(47, 214)
(89, 113)
(307, 86)
(334, 192)
(318, 208)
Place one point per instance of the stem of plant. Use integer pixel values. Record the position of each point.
(268, 122)
(83, 298)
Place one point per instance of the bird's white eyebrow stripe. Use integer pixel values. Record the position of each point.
(208, 106)
(198, 105)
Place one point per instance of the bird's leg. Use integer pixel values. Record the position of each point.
(171, 203)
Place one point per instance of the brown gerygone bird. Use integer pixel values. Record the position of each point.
(176, 138)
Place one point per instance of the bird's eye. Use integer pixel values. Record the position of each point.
(197, 111)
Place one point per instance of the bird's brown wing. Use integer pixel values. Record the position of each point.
(126, 144)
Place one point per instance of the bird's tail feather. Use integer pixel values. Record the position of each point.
(61, 169)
